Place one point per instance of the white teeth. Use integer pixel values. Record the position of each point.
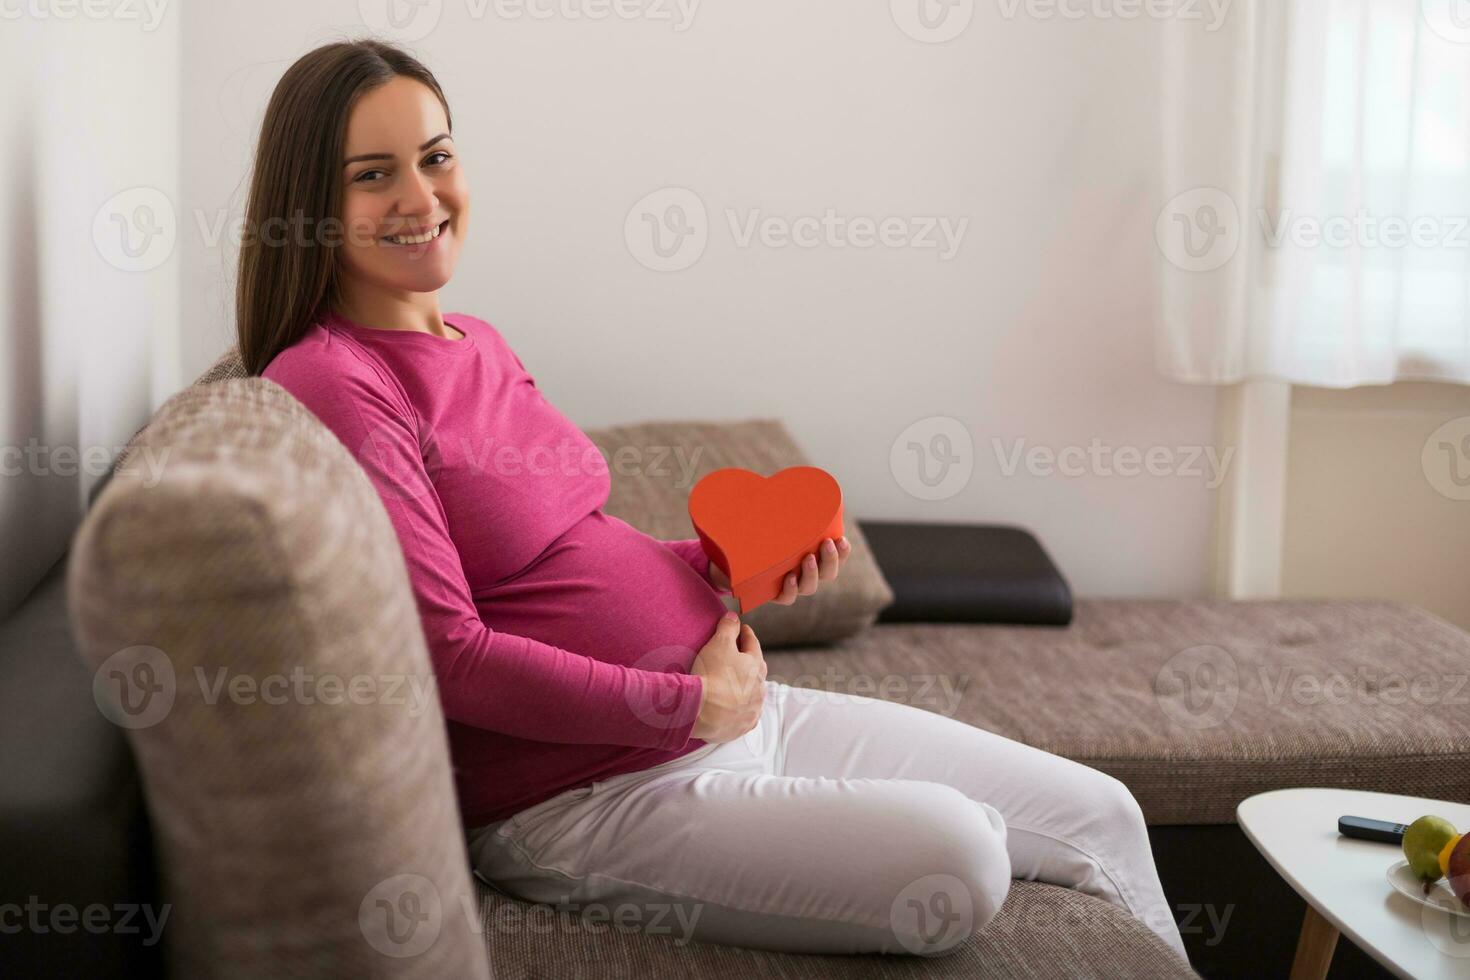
(427, 236)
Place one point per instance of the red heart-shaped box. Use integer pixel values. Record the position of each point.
(757, 528)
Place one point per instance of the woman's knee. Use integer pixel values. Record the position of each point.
(960, 875)
(1113, 803)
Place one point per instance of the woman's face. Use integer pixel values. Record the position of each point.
(402, 178)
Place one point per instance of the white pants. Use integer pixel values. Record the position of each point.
(840, 824)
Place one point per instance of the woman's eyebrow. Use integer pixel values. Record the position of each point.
(389, 156)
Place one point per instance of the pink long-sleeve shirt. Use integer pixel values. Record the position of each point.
(561, 637)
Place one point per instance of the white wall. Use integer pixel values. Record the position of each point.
(1043, 133)
(1367, 514)
(87, 331)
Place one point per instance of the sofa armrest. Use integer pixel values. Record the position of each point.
(249, 613)
(967, 573)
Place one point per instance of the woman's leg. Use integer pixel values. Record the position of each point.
(1066, 823)
(723, 849)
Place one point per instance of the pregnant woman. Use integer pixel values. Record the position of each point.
(613, 734)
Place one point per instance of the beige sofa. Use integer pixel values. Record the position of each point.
(304, 839)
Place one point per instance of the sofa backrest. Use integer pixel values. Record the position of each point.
(671, 456)
(240, 592)
(228, 365)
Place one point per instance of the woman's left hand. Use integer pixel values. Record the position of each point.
(821, 566)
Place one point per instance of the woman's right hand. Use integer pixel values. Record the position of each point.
(734, 675)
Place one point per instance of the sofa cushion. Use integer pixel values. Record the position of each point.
(656, 464)
(967, 573)
(289, 734)
(1041, 932)
(1194, 704)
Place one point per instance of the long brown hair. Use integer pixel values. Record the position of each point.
(289, 280)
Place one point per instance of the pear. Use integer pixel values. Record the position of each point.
(1459, 870)
(1423, 841)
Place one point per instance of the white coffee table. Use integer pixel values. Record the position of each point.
(1344, 880)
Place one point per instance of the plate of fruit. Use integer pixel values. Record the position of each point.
(1436, 866)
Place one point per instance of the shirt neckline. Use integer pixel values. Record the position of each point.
(416, 338)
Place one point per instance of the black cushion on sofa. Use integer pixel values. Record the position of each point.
(967, 573)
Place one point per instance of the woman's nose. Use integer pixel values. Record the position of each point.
(418, 195)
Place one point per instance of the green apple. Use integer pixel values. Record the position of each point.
(1423, 841)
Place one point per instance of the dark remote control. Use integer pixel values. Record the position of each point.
(1379, 830)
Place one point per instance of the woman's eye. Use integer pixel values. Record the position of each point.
(437, 153)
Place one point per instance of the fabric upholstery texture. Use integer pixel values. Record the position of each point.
(1194, 704)
(264, 548)
(656, 464)
(652, 494)
(228, 365)
(286, 812)
(1042, 932)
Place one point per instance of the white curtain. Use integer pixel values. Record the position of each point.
(1318, 165)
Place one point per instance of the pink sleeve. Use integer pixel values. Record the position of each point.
(498, 681)
(692, 552)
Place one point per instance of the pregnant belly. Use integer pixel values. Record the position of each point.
(607, 590)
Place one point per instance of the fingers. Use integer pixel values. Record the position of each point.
(830, 560)
(748, 642)
(819, 567)
(810, 575)
(788, 591)
(728, 628)
(751, 645)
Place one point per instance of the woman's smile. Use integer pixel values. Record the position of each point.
(417, 243)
